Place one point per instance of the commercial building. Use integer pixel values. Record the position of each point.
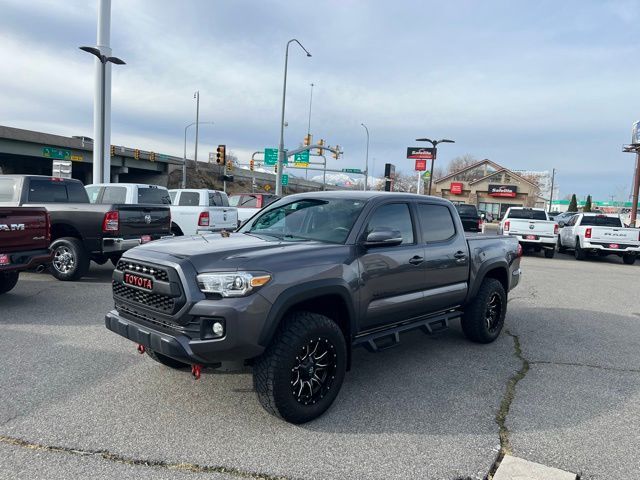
(489, 186)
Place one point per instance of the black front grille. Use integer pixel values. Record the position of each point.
(157, 273)
(153, 301)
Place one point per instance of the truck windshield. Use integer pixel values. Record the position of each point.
(600, 221)
(527, 213)
(324, 220)
(7, 190)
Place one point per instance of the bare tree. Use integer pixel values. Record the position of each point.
(458, 163)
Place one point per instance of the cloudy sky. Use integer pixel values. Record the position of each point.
(530, 85)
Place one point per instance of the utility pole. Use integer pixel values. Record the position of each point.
(197, 97)
(636, 188)
(553, 178)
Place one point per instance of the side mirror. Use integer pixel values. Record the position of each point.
(383, 238)
(561, 224)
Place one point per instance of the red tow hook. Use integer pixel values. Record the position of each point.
(141, 348)
(196, 370)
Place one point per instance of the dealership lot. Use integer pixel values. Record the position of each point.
(80, 401)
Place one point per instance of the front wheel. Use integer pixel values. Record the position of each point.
(301, 372)
(8, 280)
(629, 259)
(483, 318)
(70, 260)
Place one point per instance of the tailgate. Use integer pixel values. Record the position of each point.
(23, 229)
(627, 236)
(223, 217)
(532, 227)
(137, 220)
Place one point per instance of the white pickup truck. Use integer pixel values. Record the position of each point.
(192, 211)
(199, 211)
(532, 228)
(587, 233)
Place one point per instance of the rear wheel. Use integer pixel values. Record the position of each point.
(561, 248)
(301, 372)
(579, 253)
(629, 259)
(549, 252)
(8, 280)
(483, 318)
(70, 260)
(166, 361)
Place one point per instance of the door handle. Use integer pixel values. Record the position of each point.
(460, 256)
(416, 260)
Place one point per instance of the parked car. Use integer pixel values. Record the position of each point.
(553, 215)
(589, 233)
(249, 204)
(80, 231)
(307, 279)
(25, 234)
(532, 228)
(470, 217)
(200, 211)
(563, 218)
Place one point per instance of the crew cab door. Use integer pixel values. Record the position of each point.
(446, 258)
(567, 235)
(392, 278)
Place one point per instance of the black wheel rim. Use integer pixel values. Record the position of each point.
(493, 312)
(314, 371)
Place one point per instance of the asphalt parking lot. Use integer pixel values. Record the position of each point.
(560, 387)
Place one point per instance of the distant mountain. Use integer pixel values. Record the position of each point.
(346, 180)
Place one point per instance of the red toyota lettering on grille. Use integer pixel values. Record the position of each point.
(138, 281)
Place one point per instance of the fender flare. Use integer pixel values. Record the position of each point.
(495, 264)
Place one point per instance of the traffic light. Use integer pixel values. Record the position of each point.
(113, 150)
(320, 150)
(307, 139)
(230, 165)
(221, 155)
(136, 154)
(275, 168)
(336, 154)
(251, 164)
(152, 156)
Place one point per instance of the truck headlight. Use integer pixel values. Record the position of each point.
(231, 284)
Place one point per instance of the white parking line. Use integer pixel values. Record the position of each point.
(513, 468)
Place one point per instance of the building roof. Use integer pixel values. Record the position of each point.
(473, 165)
(499, 169)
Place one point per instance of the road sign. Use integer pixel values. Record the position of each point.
(56, 153)
(421, 153)
(267, 187)
(285, 179)
(270, 156)
(421, 165)
(301, 159)
(426, 175)
(352, 170)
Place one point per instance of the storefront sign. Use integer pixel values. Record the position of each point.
(420, 153)
(421, 165)
(456, 188)
(503, 190)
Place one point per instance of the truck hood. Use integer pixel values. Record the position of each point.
(237, 251)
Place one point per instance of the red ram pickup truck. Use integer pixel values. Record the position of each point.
(25, 234)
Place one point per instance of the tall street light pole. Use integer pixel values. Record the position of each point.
(553, 179)
(197, 97)
(284, 95)
(366, 161)
(435, 153)
(101, 155)
(310, 103)
(184, 157)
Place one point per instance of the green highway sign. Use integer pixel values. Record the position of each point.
(56, 153)
(285, 179)
(301, 159)
(270, 156)
(352, 170)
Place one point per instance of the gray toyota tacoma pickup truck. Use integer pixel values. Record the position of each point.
(306, 280)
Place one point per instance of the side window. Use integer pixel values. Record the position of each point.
(436, 223)
(217, 199)
(393, 216)
(93, 192)
(114, 195)
(189, 199)
(173, 197)
(249, 201)
(77, 193)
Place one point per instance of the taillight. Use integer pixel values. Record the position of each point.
(587, 233)
(555, 229)
(203, 219)
(507, 224)
(111, 222)
(47, 226)
(519, 254)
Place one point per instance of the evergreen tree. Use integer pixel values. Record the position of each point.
(587, 205)
(573, 204)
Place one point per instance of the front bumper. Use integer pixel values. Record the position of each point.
(26, 260)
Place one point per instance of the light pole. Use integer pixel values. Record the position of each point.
(99, 147)
(184, 157)
(366, 161)
(553, 180)
(284, 94)
(306, 172)
(197, 97)
(435, 152)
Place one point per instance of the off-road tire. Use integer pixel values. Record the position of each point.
(579, 253)
(275, 369)
(80, 259)
(629, 259)
(474, 320)
(8, 280)
(166, 361)
(561, 248)
(549, 252)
